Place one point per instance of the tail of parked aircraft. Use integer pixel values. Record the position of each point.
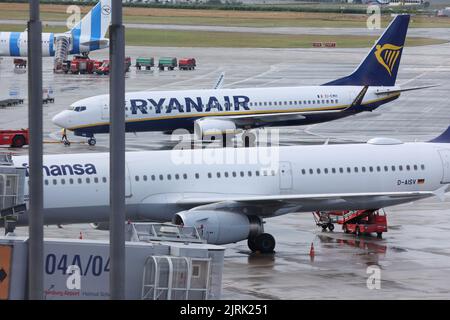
(91, 30)
(380, 66)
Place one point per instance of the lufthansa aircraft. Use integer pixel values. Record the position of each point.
(228, 111)
(88, 35)
(229, 197)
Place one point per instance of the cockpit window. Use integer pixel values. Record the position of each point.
(77, 109)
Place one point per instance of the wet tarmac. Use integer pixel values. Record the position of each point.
(413, 257)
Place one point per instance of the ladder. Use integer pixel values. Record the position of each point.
(62, 48)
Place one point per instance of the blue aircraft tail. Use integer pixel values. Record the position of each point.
(380, 66)
(91, 30)
(443, 138)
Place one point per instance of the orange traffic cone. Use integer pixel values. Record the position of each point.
(81, 236)
(311, 251)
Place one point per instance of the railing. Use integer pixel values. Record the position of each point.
(62, 48)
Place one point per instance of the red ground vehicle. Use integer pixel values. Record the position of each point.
(187, 64)
(104, 67)
(81, 65)
(14, 138)
(353, 221)
(365, 221)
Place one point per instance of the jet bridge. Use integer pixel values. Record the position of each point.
(163, 262)
(12, 187)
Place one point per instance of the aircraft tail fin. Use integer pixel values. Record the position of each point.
(443, 137)
(94, 25)
(380, 66)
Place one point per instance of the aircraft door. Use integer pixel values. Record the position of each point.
(105, 112)
(445, 157)
(285, 173)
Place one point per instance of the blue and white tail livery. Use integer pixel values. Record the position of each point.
(88, 35)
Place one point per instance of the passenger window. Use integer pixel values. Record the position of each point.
(63, 181)
(88, 180)
(145, 177)
(378, 168)
(96, 180)
(169, 177)
(226, 174)
(218, 174)
(326, 170)
(341, 170)
(104, 179)
(303, 171)
(371, 169)
(333, 170)
(209, 175)
(161, 177)
(311, 171)
(386, 168)
(234, 174)
(242, 173)
(46, 182)
(363, 169)
(393, 168)
(265, 173)
(80, 181)
(55, 182)
(408, 167)
(356, 169)
(314, 101)
(136, 178)
(318, 171)
(422, 167)
(177, 176)
(349, 170)
(257, 173)
(249, 173)
(197, 176)
(185, 176)
(415, 167)
(400, 168)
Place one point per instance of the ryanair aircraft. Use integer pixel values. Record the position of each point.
(88, 35)
(229, 111)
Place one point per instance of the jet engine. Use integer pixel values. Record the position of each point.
(214, 127)
(220, 227)
(100, 225)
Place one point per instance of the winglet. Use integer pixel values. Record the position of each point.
(220, 81)
(440, 193)
(358, 100)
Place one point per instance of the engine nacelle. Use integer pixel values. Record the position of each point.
(100, 225)
(214, 127)
(220, 227)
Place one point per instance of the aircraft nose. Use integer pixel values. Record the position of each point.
(61, 120)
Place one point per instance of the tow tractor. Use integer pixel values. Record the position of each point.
(358, 222)
(14, 138)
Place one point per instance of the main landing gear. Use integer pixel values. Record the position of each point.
(264, 243)
(91, 141)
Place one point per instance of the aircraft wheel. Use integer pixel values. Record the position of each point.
(92, 141)
(330, 226)
(379, 235)
(252, 244)
(265, 243)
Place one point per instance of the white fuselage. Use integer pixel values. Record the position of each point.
(170, 110)
(77, 186)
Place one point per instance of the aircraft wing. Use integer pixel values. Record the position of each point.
(272, 117)
(274, 205)
(99, 42)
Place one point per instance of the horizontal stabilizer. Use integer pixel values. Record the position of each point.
(385, 91)
(98, 42)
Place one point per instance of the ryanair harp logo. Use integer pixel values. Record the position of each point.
(387, 55)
